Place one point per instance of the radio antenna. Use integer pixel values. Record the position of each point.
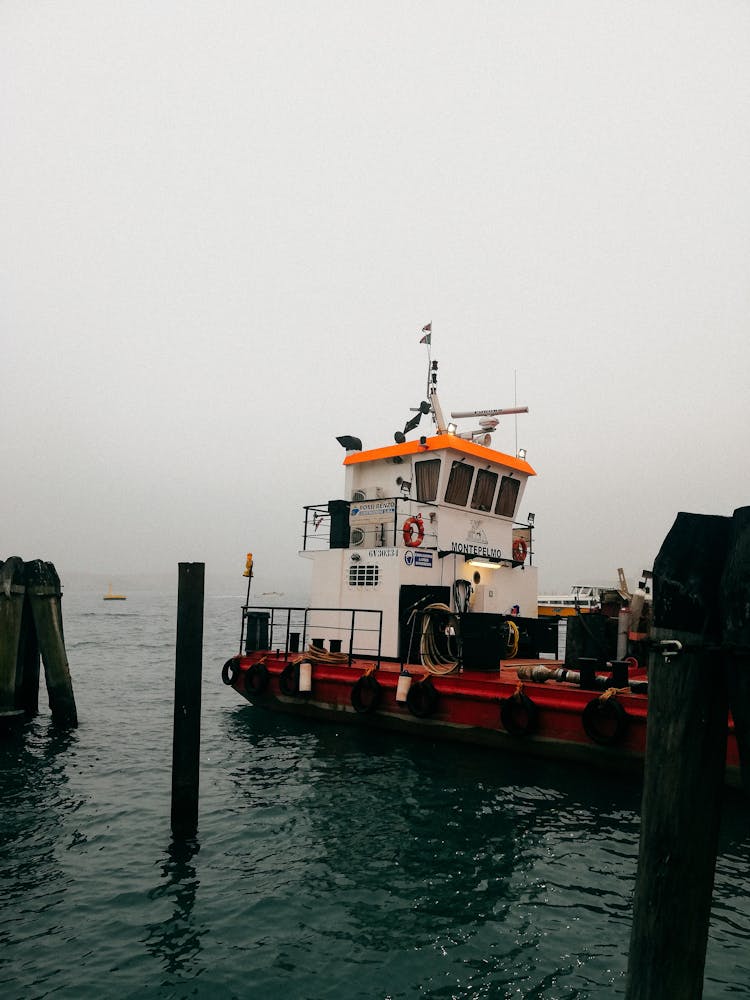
(489, 413)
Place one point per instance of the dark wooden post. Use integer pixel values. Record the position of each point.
(684, 770)
(27, 674)
(187, 700)
(44, 594)
(11, 614)
(735, 616)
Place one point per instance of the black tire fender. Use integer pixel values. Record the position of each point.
(518, 714)
(230, 670)
(289, 680)
(422, 699)
(366, 694)
(605, 721)
(256, 678)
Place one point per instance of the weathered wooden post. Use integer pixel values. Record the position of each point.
(187, 700)
(735, 618)
(44, 595)
(11, 615)
(684, 770)
(27, 674)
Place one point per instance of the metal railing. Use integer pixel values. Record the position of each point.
(328, 527)
(288, 628)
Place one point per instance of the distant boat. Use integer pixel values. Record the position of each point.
(109, 596)
(581, 599)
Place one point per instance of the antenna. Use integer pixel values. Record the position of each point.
(489, 413)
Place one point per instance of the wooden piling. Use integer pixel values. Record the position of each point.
(11, 615)
(44, 595)
(735, 620)
(684, 768)
(187, 700)
(27, 672)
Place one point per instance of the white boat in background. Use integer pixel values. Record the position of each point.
(582, 599)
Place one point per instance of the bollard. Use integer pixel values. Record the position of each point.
(587, 669)
(11, 616)
(187, 700)
(684, 768)
(44, 594)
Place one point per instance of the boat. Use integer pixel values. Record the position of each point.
(424, 617)
(580, 600)
(111, 596)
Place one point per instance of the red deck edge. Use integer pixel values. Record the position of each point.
(468, 710)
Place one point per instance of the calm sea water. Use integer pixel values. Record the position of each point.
(331, 862)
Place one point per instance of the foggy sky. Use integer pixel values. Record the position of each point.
(225, 224)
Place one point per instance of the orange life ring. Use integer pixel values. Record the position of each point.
(519, 549)
(409, 525)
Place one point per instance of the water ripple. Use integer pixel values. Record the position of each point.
(330, 862)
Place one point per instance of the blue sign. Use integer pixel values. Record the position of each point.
(420, 559)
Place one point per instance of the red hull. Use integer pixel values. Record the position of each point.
(469, 708)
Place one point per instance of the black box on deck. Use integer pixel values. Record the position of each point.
(256, 630)
(591, 636)
(536, 635)
(483, 641)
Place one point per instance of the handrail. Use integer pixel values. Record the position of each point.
(319, 513)
(354, 628)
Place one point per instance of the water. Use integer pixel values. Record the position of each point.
(330, 862)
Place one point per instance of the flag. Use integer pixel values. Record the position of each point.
(427, 331)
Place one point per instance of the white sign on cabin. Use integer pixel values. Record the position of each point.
(371, 511)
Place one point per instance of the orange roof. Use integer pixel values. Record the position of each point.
(440, 442)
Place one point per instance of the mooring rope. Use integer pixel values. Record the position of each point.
(317, 655)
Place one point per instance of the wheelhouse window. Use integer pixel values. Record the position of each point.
(459, 482)
(484, 490)
(507, 496)
(427, 474)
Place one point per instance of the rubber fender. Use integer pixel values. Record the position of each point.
(605, 721)
(230, 670)
(289, 680)
(518, 714)
(366, 694)
(256, 678)
(422, 699)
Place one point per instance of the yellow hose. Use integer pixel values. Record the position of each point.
(513, 637)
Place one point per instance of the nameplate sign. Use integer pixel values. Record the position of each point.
(466, 549)
(371, 511)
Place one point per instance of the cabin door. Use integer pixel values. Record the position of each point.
(411, 598)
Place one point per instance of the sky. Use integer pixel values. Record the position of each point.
(226, 223)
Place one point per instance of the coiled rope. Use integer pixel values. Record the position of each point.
(317, 655)
(430, 654)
